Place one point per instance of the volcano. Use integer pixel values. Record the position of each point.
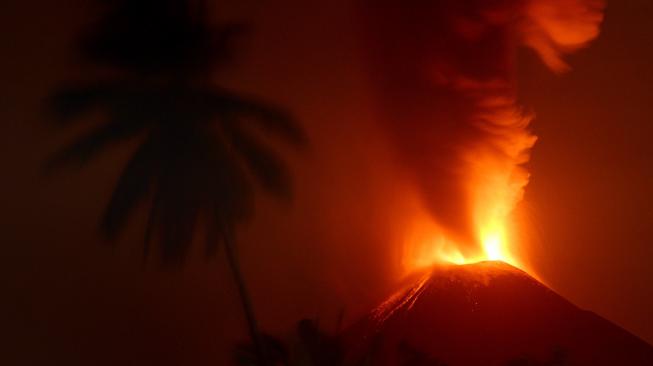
(488, 313)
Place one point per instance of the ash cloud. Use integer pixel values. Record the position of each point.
(446, 74)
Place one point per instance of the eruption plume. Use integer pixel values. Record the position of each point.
(446, 71)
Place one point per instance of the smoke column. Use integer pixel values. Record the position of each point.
(446, 74)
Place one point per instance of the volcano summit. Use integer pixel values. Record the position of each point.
(489, 313)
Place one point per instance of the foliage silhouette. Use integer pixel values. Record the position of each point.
(159, 36)
(195, 145)
(316, 347)
(198, 155)
(409, 356)
(276, 351)
(311, 346)
(559, 357)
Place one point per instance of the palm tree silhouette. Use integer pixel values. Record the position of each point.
(198, 155)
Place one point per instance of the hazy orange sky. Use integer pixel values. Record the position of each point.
(589, 200)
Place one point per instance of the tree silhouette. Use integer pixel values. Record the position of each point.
(198, 154)
(311, 346)
(558, 357)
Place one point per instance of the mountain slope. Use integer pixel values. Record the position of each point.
(489, 313)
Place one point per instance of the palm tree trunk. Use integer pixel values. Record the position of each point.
(232, 258)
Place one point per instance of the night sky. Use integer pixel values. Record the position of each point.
(70, 299)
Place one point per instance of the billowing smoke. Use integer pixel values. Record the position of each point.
(446, 71)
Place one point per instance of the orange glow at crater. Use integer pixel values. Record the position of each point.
(495, 179)
(427, 244)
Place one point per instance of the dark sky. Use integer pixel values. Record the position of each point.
(591, 193)
(74, 301)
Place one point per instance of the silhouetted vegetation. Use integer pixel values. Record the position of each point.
(277, 354)
(309, 346)
(557, 358)
(312, 346)
(198, 154)
(409, 356)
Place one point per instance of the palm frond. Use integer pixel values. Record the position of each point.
(89, 145)
(70, 102)
(230, 191)
(198, 179)
(134, 184)
(176, 37)
(271, 118)
(177, 218)
(178, 195)
(267, 167)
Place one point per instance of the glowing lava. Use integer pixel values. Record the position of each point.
(427, 249)
(428, 243)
